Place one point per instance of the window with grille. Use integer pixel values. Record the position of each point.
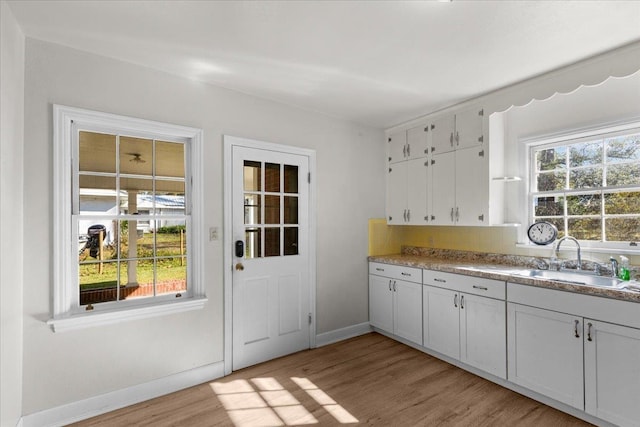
(589, 187)
(127, 218)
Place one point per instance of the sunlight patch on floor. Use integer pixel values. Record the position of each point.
(331, 406)
(267, 403)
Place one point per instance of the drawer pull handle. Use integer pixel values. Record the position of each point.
(455, 300)
(389, 285)
(480, 287)
(590, 325)
(379, 269)
(575, 328)
(462, 302)
(406, 274)
(440, 280)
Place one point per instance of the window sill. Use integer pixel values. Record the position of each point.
(87, 320)
(570, 248)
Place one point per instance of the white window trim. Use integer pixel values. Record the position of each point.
(64, 251)
(566, 136)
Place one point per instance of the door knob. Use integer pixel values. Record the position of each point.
(239, 266)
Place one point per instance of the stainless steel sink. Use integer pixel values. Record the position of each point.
(574, 278)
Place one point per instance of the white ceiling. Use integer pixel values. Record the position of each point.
(378, 63)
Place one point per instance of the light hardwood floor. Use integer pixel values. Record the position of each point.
(371, 379)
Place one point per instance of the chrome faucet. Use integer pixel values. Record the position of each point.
(579, 267)
(614, 267)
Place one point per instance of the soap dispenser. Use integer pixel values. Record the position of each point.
(623, 272)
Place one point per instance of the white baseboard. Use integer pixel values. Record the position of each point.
(342, 334)
(97, 405)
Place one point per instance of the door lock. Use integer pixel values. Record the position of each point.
(239, 248)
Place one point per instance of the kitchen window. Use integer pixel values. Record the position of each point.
(589, 187)
(127, 218)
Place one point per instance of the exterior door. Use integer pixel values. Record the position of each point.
(270, 222)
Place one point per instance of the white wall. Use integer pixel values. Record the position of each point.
(11, 189)
(66, 367)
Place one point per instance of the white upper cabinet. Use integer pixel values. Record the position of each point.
(408, 144)
(472, 186)
(469, 128)
(408, 181)
(418, 142)
(446, 172)
(442, 132)
(397, 147)
(456, 131)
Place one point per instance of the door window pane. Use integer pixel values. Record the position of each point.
(136, 156)
(272, 209)
(252, 243)
(252, 176)
(252, 209)
(290, 209)
(290, 179)
(272, 241)
(272, 177)
(291, 241)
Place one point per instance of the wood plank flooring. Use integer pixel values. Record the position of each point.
(368, 380)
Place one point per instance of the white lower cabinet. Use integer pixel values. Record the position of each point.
(612, 372)
(545, 353)
(395, 305)
(465, 326)
(589, 364)
(483, 329)
(441, 319)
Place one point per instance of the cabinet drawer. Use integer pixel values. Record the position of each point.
(400, 272)
(467, 284)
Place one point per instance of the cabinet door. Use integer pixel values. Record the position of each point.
(483, 328)
(468, 128)
(396, 146)
(397, 193)
(407, 310)
(381, 302)
(417, 191)
(472, 187)
(441, 321)
(442, 134)
(612, 372)
(545, 353)
(417, 142)
(443, 189)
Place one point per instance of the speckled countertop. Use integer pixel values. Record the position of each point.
(455, 262)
